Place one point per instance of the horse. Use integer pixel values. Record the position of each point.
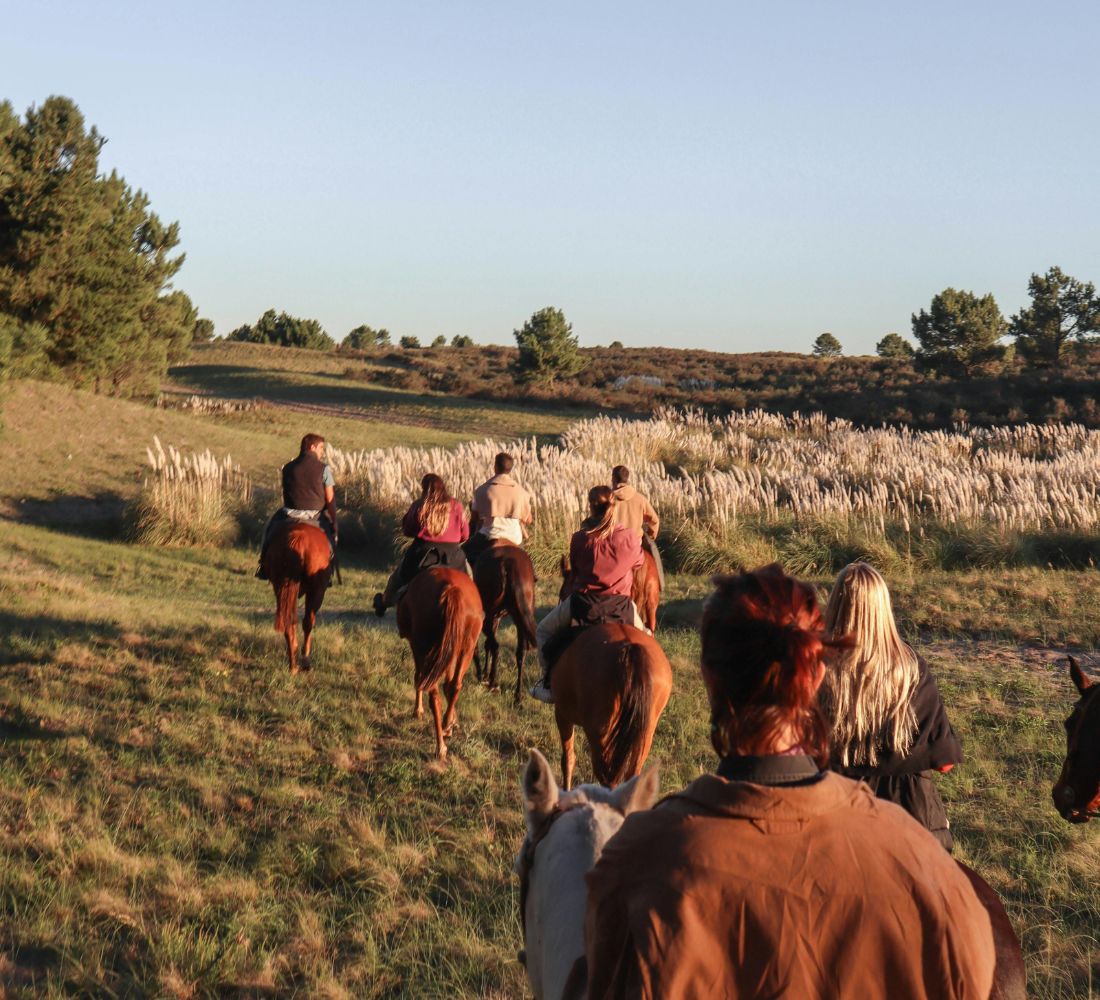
(1077, 792)
(566, 833)
(505, 578)
(297, 563)
(440, 615)
(613, 681)
(646, 590)
(1009, 974)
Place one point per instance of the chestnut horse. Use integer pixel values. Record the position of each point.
(505, 578)
(440, 614)
(297, 564)
(1077, 793)
(613, 681)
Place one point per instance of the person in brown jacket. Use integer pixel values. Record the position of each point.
(774, 878)
(634, 511)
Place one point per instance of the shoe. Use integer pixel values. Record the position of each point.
(540, 692)
(379, 606)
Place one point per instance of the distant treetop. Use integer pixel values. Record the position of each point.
(894, 345)
(827, 346)
(548, 350)
(284, 331)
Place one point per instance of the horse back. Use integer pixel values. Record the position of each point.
(1009, 974)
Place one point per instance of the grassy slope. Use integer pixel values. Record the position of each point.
(179, 817)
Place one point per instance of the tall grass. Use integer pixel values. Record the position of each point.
(811, 490)
(189, 499)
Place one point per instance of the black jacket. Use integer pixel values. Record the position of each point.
(906, 778)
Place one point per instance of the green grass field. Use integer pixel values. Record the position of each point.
(179, 817)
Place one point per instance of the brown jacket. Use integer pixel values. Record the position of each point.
(632, 510)
(733, 889)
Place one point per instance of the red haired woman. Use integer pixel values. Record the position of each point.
(437, 525)
(775, 878)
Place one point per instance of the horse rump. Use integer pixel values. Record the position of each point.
(445, 654)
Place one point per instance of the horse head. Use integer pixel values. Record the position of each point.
(1077, 792)
(566, 833)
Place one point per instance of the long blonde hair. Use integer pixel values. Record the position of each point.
(867, 693)
(435, 506)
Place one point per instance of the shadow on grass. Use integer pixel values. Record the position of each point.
(43, 631)
(101, 516)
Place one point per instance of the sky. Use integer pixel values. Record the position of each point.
(724, 175)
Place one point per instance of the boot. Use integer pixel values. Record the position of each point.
(379, 606)
(541, 692)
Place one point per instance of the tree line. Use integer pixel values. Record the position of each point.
(86, 267)
(961, 334)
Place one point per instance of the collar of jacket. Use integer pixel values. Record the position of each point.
(624, 491)
(502, 479)
(774, 803)
(773, 769)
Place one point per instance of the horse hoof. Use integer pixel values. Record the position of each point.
(306, 665)
(494, 688)
(293, 671)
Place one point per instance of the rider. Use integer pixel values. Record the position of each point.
(309, 495)
(437, 525)
(772, 877)
(603, 556)
(501, 509)
(635, 512)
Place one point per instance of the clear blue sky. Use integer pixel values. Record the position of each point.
(724, 175)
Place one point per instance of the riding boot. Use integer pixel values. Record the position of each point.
(541, 691)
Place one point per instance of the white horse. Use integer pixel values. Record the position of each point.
(566, 833)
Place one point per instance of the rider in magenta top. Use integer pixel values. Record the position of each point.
(456, 531)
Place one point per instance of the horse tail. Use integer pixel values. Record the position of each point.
(523, 601)
(626, 739)
(444, 655)
(286, 604)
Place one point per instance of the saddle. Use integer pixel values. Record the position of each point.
(586, 610)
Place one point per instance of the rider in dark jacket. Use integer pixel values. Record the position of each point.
(309, 495)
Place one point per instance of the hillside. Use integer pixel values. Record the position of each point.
(866, 390)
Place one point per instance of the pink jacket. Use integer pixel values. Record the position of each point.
(457, 530)
(605, 566)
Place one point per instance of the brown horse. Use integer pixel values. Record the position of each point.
(440, 614)
(505, 578)
(646, 591)
(1077, 793)
(297, 564)
(1009, 974)
(613, 681)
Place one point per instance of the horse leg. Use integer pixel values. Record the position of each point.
(437, 718)
(418, 704)
(477, 662)
(568, 758)
(291, 636)
(450, 719)
(492, 652)
(521, 655)
(309, 620)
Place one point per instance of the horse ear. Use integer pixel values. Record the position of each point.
(540, 790)
(640, 792)
(1080, 678)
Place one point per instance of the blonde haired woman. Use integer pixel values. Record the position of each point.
(889, 726)
(602, 558)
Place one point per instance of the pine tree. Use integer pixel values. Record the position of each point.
(958, 333)
(894, 345)
(1062, 309)
(82, 259)
(548, 350)
(827, 346)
